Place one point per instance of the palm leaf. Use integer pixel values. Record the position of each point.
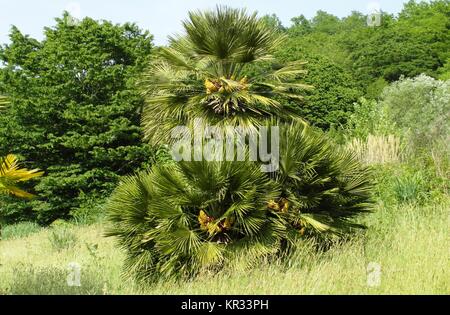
(11, 174)
(325, 186)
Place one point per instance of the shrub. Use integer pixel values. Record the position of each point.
(415, 109)
(420, 109)
(368, 118)
(326, 187)
(184, 218)
(180, 219)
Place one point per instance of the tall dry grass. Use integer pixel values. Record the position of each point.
(408, 242)
(376, 149)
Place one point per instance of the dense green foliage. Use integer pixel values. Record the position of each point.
(74, 111)
(185, 217)
(326, 187)
(415, 111)
(334, 91)
(418, 108)
(347, 59)
(414, 42)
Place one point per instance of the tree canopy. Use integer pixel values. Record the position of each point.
(74, 110)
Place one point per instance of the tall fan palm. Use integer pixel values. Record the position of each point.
(181, 218)
(11, 175)
(202, 75)
(185, 217)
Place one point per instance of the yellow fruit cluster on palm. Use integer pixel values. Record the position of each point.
(208, 224)
(281, 205)
(11, 175)
(224, 85)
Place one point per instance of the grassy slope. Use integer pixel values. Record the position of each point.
(409, 242)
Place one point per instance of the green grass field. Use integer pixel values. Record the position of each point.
(410, 243)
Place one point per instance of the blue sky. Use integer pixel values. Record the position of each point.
(163, 17)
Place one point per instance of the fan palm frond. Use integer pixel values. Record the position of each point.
(325, 187)
(11, 174)
(182, 218)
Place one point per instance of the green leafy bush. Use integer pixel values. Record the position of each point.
(419, 108)
(416, 110)
(368, 118)
(334, 92)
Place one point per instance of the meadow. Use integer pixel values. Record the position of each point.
(93, 199)
(409, 242)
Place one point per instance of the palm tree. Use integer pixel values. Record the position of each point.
(185, 217)
(11, 175)
(203, 74)
(181, 218)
